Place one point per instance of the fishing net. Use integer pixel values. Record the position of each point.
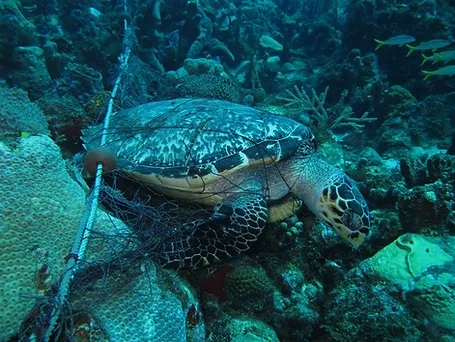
(120, 279)
(94, 251)
(142, 85)
(106, 287)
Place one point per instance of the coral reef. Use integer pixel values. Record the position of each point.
(18, 115)
(249, 288)
(40, 210)
(421, 268)
(147, 307)
(370, 312)
(432, 201)
(31, 71)
(373, 114)
(247, 329)
(208, 86)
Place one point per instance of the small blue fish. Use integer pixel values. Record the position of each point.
(400, 40)
(430, 45)
(444, 56)
(433, 59)
(446, 71)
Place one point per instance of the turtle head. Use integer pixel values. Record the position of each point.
(342, 206)
(333, 197)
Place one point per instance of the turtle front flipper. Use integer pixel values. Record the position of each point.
(243, 217)
(231, 230)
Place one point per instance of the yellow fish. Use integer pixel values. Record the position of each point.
(430, 45)
(397, 40)
(446, 71)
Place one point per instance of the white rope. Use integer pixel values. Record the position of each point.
(83, 233)
(99, 169)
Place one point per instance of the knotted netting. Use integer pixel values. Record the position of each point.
(109, 288)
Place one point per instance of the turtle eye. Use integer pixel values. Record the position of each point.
(308, 146)
(345, 210)
(351, 220)
(314, 143)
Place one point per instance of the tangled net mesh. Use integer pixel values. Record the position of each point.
(115, 259)
(143, 84)
(119, 256)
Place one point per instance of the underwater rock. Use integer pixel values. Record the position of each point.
(380, 179)
(66, 119)
(394, 134)
(388, 227)
(425, 208)
(435, 297)
(82, 81)
(244, 329)
(362, 310)
(15, 30)
(397, 102)
(55, 61)
(18, 115)
(359, 74)
(291, 278)
(30, 71)
(301, 315)
(422, 267)
(394, 139)
(319, 38)
(442, 167)
(451, 149)
(431, 121)
(414, 171)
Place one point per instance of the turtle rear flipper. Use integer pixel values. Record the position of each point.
(232, 229)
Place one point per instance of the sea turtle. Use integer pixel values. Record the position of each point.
(253, 167)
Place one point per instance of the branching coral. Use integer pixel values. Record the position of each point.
(339, 115)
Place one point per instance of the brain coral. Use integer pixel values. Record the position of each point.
(145, 310)
(249, 288)
(41, 208)
(18, 114)
(209, 86)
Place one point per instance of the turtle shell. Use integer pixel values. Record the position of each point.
(187, 143)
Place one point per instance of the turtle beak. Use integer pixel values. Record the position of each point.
(343, 207)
